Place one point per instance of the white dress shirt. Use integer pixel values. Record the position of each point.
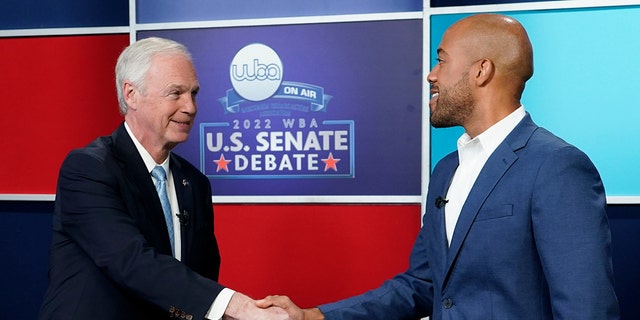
(222, 300)
(473, 154)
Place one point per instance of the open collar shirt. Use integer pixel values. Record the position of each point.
(473, 154)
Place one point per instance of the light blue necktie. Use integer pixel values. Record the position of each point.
(161, 187)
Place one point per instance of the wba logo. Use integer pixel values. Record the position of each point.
(256, 72)
(274, 129)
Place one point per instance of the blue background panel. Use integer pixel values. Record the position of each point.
(36, 14)
(584, 88)
(154, 11)
(373, 76)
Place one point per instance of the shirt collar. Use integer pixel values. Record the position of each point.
(491, 138)
(146, 157)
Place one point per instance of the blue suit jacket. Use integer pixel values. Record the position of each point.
(110, 256)
(532, 242)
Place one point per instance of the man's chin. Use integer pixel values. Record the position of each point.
(178, 138)
(440, 123)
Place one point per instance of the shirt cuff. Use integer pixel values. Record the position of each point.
(220, 304)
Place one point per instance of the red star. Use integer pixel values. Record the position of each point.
(222, 163)
(330, 163)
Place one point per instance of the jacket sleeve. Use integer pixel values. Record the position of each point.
(572, 235)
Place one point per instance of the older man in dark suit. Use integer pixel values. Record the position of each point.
(133, 234)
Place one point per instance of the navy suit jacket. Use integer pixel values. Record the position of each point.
(110, 256)
(532, 242)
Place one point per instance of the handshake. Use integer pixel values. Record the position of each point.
(272, 307)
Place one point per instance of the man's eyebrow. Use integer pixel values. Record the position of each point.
(173, 86)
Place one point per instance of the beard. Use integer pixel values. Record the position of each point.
(454, 105)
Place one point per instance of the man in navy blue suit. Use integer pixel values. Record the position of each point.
(515, 224)
(121, 248)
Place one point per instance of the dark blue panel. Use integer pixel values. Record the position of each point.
(34, 14)
(625, 236)
(152, 11)
(25, 235)
(451, 3)
(25, 232)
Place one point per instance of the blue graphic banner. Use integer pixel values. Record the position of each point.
(271, 154)
(288, 90)
(281, 113)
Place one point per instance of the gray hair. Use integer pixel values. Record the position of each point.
(135, 60)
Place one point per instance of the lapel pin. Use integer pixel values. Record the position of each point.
(185, 182)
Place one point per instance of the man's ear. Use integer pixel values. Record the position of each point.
(131, 95)
(484, 72)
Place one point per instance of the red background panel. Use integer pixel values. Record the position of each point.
(313, 253)
(59, 94)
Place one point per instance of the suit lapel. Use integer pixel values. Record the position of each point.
(184, 193)
(434, 218)
(494, 169)
(442, 229)
(496, 166)
(150, 218)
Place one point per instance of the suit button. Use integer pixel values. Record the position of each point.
(447, 303)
